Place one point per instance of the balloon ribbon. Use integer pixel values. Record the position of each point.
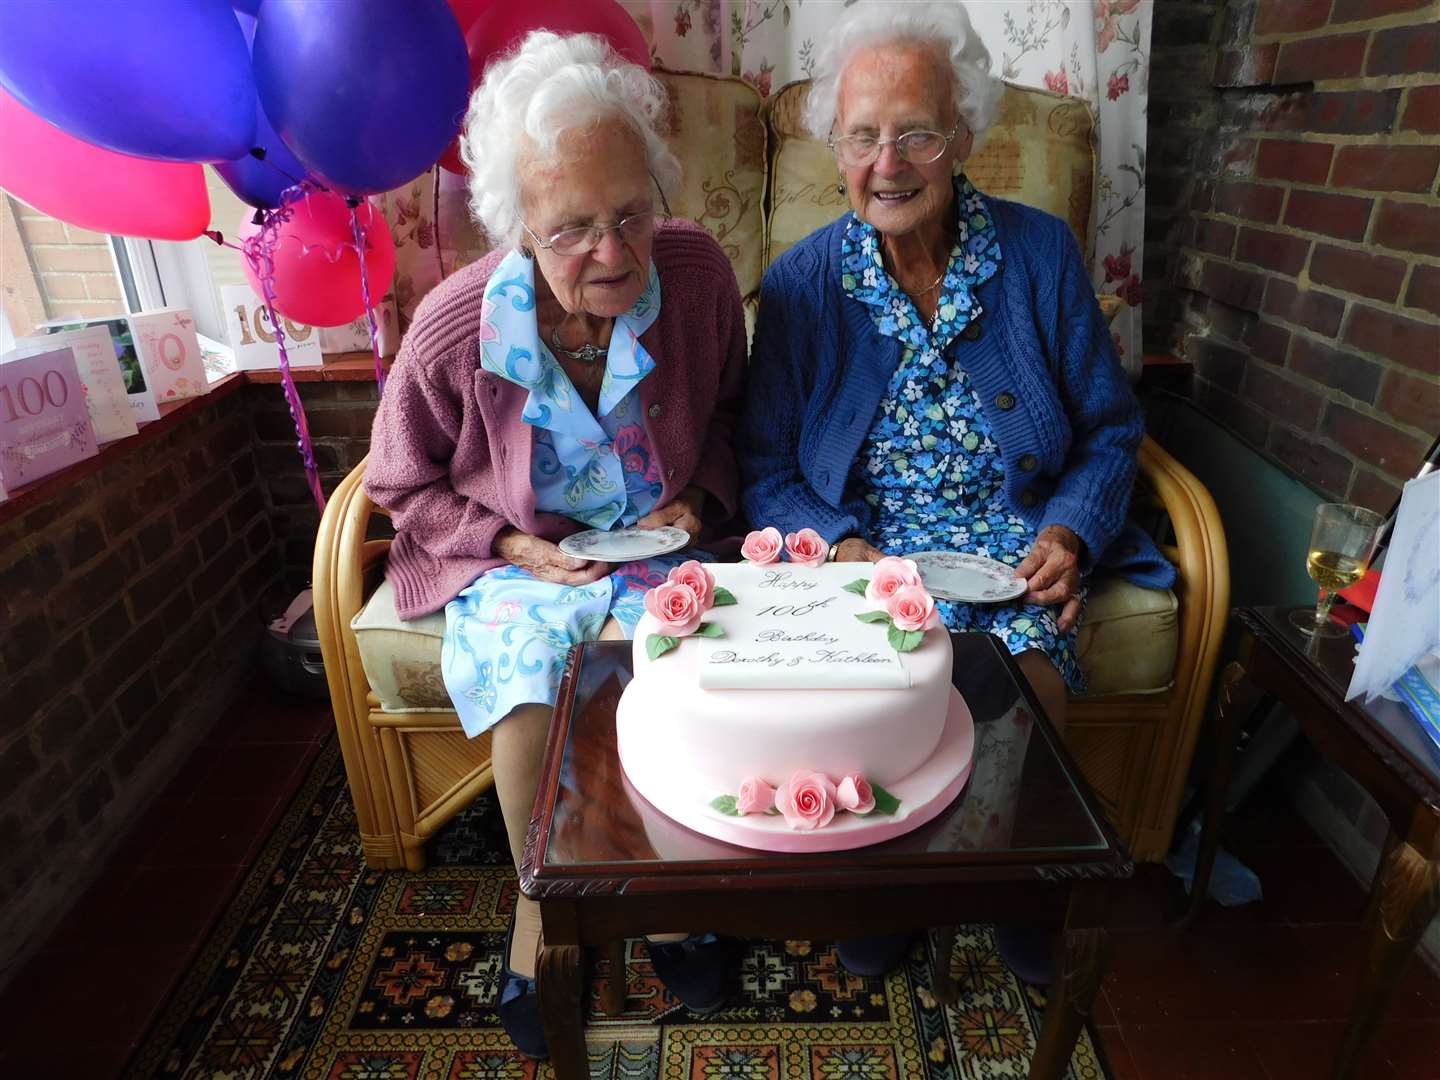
(360, 237)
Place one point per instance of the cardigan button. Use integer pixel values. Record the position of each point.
(1029, 499)
(1005, 401)
(655, 410)
(1027, 462)
(971, 331)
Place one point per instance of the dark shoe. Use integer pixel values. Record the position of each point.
(873, 955)
(519, 1007)
(697, 970)
(1029, 952)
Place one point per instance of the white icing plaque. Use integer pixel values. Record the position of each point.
(794, 628)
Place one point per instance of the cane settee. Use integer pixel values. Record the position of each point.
(759, 183)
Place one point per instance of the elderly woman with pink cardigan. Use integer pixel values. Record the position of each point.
(585, 375)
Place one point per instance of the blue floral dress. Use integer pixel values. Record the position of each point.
(507, 634)
(930, 466)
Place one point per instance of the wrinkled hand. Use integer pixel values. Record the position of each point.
(544, 560)
(855, 549)
(683, 512)
(1053, 572)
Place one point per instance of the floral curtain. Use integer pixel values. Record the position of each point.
(1098, 50)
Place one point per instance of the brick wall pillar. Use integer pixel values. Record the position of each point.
(1294, 228)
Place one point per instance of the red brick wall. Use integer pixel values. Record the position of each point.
(129, 612)
(1293, 251)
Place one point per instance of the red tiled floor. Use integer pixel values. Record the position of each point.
(1261, 991)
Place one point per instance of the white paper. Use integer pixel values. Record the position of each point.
(139, 396)
(99, 373)
(795, 629)
(247, 326)
(1405, 621)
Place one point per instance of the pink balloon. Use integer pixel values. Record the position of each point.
(499, 25)
(317, 270)
(94, 188)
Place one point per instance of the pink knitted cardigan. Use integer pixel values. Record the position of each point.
(450, 455)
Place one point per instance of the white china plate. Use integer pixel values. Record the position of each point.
(957, 575)
(624, 545)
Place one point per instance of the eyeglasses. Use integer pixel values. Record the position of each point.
(586, 238)
(919, 147)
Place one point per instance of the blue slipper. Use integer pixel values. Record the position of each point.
(1029, 951)
(519, 1007)
(696, 970)
(874, 955)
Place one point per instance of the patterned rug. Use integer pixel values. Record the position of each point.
(324, 970)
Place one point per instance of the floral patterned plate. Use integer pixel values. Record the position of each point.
(624, 545)
(956, 575)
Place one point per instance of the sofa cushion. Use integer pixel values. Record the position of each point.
(1127, 646)
(401, 659)
(1039, 152)
(717, 133)
(1129, 638)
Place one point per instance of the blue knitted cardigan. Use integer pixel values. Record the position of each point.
(1040, 358)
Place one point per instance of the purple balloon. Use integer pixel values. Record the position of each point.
(366, 93)
(167, 79)
(260, 180)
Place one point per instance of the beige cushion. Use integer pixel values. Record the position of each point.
(1038, 152)
(401, 659)
(1129, 638)
(1127, 646)
(717, 133)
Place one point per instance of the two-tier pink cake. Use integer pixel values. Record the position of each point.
(797, 726)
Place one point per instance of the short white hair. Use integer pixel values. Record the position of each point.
(552, 84)
(944, 27)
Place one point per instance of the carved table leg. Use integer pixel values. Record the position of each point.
(558, 979)
(1080, 967)
(1410, 898)
(1238, 698)
(612, 990)
(942, 985)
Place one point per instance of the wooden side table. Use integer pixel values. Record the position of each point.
(1376, 744)
(1023, 844)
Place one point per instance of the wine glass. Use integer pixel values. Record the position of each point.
(1341, 543)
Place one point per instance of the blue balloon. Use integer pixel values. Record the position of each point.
(167, 79)
(260, 177)
(366, 93)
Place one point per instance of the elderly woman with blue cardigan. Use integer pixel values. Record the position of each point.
(932, 371)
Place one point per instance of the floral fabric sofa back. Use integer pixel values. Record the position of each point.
(759, 182)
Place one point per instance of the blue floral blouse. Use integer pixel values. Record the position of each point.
(930, 466)
(594, 467)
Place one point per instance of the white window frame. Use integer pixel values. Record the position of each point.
(169, 273)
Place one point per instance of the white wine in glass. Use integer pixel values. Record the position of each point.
(1341, 540)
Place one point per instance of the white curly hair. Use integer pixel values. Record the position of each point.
(549, 85)
(943, 26)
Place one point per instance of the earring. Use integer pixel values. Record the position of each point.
(840, 185)
(525, 251)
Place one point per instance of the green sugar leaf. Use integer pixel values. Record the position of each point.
(885, 803)
(657, 645)
(905, 640)
(874, 616)
(726, 805)
(723, 597)
(858, 586)
(709, 629)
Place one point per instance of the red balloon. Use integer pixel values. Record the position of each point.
(317, 270)
(498, 26)
(94, 188)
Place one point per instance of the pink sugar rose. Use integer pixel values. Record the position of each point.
(889, 577)
(912, 608)
(676, 608)
(756, 796)
(699, 579)
(807, 800)
(853, 793)
(763, 546)
(806, 547)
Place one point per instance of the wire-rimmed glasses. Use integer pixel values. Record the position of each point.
(585, 238)
(919, 146)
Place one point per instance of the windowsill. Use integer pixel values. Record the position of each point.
(341, 367)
